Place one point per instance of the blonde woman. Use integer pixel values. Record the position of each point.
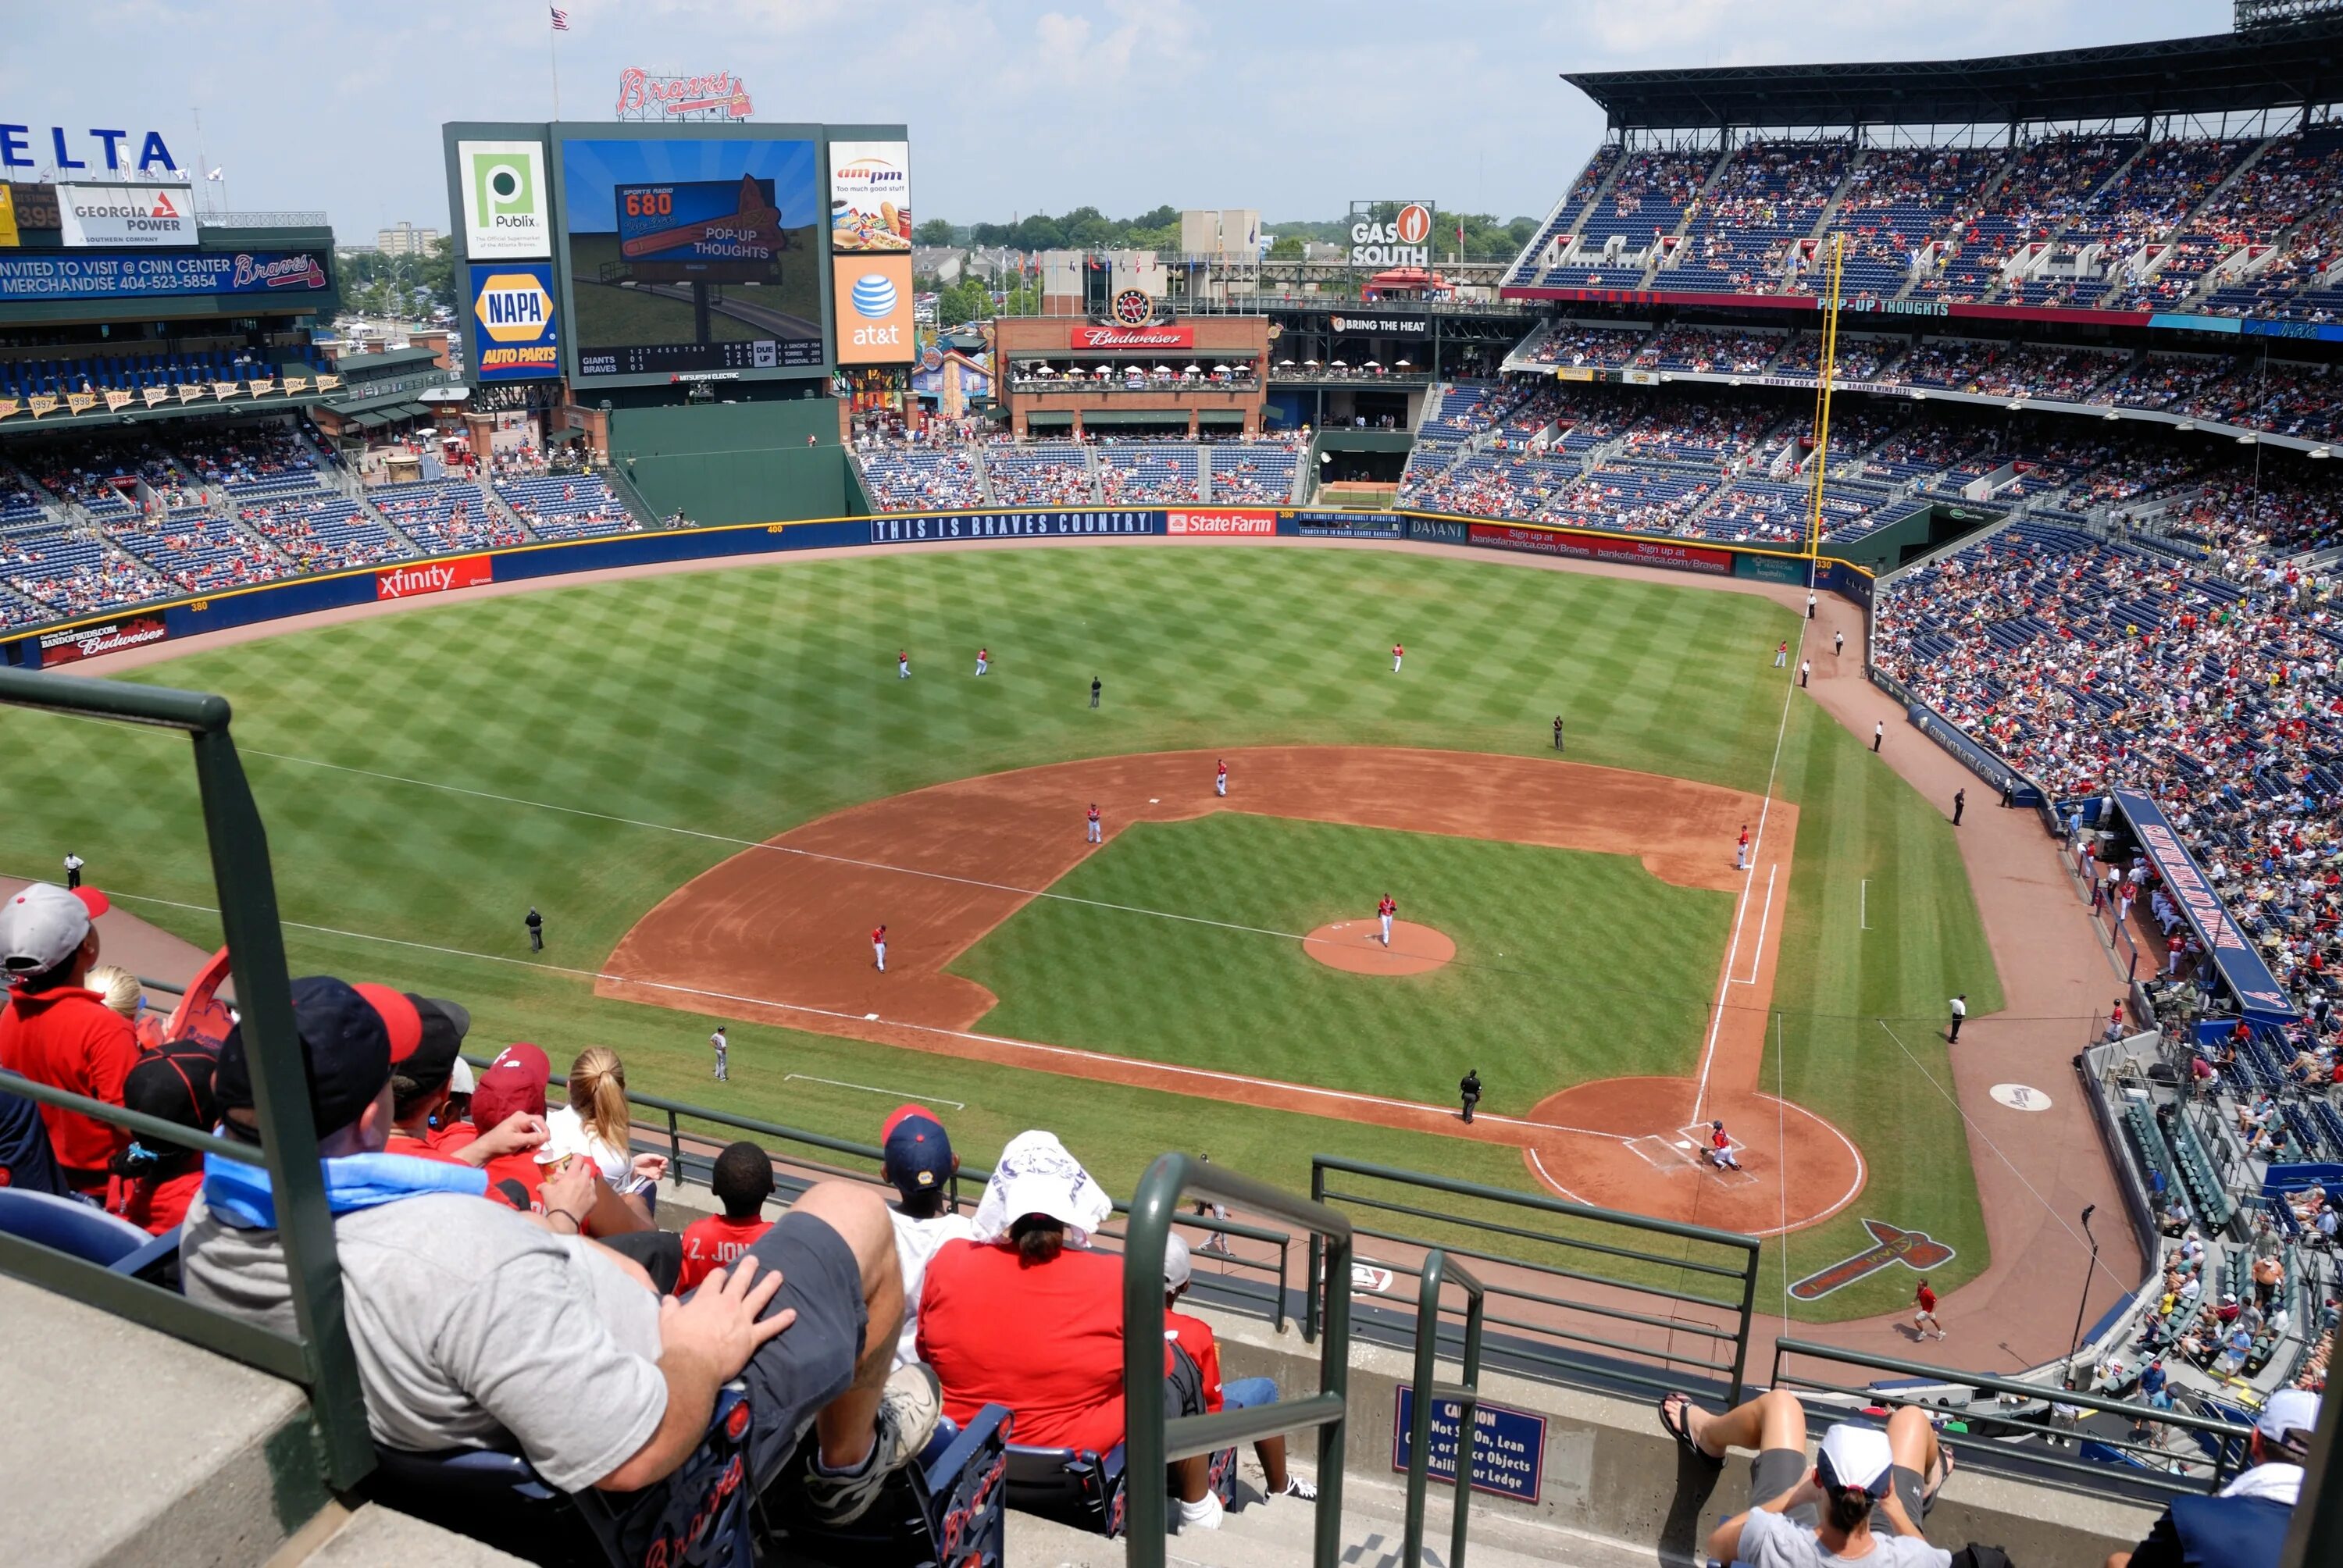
(119, 990)
(596, 1124)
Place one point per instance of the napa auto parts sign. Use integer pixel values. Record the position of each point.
(435, 577)
(1226, 522)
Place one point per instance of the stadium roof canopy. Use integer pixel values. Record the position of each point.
(2269, 67)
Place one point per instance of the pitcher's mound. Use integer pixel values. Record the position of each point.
(1356, 947)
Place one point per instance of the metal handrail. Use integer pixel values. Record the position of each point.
(1151, 1442)
(2229, 1438)
(1464, 1393)
(1742, 1312)
(319, 1356)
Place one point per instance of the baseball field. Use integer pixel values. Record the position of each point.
(713, 785)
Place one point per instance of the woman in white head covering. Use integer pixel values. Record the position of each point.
(1026, 1316)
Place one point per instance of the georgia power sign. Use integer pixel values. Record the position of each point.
(1402, 242)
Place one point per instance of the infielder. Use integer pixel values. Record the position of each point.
(879, 947)
(723, 1047)
(982, 659)
(903, 664)
(1097, 835)
(1398, 653)
(1741, 850)
(1384, 912)
(1221, 777)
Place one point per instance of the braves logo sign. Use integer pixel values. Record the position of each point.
(1915, 1249)
(1134, 308)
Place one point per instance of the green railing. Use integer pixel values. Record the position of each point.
(1579, 1327)
(319, 1357)
(1464, 1394)
(1151, 1441)
(2156, 1468)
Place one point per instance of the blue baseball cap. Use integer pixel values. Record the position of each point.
(918, 1151)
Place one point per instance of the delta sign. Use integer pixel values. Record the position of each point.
(517, 337)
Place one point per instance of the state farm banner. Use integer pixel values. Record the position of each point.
(2259, 993)
(1601, 548)
(434, 577)
(89, 641)
(1247, 522)
(1135, 338)
(148, 214)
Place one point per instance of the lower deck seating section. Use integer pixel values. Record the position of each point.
(203, 552)
(567, 507)
(2087, 661)
(1041, 473)
(1131, 473)
(1254, 473)
(917, 479)
(320, 531)
(444, 516)
(71, 572)
(254, 461)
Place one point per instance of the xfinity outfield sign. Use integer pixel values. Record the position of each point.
(1391, 233)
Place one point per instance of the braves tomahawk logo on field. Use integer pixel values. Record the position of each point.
(1912, 1248)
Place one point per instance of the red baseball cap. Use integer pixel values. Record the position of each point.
(514, 1081)
(398, 1017)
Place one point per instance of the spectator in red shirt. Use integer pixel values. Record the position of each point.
(742, 1182)
(432, 1034)
(1029, 1317)
(1195, 1335)
(55, 1032)
(153, 1179)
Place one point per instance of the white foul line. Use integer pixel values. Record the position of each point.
(1863, 902)
(1764, 913)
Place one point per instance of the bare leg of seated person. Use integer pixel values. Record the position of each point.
(1911, 1439)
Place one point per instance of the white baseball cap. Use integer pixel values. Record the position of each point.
(42, 924)
(1036, 1175)
(1856, 1457)
(2288, 1419)
(1175, 1262)
(459, 1078)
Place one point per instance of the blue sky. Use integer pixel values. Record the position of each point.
(1296, 109)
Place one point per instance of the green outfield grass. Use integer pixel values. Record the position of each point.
(731, 705)
(1539, 996)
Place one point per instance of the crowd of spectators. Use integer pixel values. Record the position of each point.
(1687, 348)
(1041, 474)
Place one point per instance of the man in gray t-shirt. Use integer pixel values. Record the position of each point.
(475, 1325)
(1819, 1515)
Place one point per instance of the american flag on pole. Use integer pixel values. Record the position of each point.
(560, 18)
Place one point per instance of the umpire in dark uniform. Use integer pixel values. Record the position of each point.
(536, 923)
(1470, 1089)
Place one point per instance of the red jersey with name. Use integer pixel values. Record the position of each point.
(716, 1243)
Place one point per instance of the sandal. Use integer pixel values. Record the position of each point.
(1934, 1482)
(1678, 1426)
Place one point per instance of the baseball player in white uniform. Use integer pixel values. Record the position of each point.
(983, 658)
(1220, 778)
(1097, 833)
(1384, 912)
(723, 1048)
(903, 665)
(879, 947)
(1398, 653)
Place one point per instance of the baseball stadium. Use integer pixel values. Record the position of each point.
(1725, 830)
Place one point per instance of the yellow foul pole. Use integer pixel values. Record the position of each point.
(1827, 374)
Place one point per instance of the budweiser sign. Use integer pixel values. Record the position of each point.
(1135, 338)
(437, 577)
(1248, 522)
(89, 641)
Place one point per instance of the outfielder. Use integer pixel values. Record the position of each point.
(1781, 653)
(722, 1047)
(1398, 653)
(879, 947)
(1096, 836)
(903, 664)
(1220, 778)
(982, 659)
(1384, 912)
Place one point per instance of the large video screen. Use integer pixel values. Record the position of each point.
(693, 255)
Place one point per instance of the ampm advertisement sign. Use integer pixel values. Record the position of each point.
(873, 309)
(507, 212)
(515, 335)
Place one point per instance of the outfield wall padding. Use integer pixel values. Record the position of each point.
(93, 636)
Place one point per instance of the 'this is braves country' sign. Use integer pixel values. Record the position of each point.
(1915, 1249)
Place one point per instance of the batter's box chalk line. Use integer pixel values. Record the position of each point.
(1664, 1153)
